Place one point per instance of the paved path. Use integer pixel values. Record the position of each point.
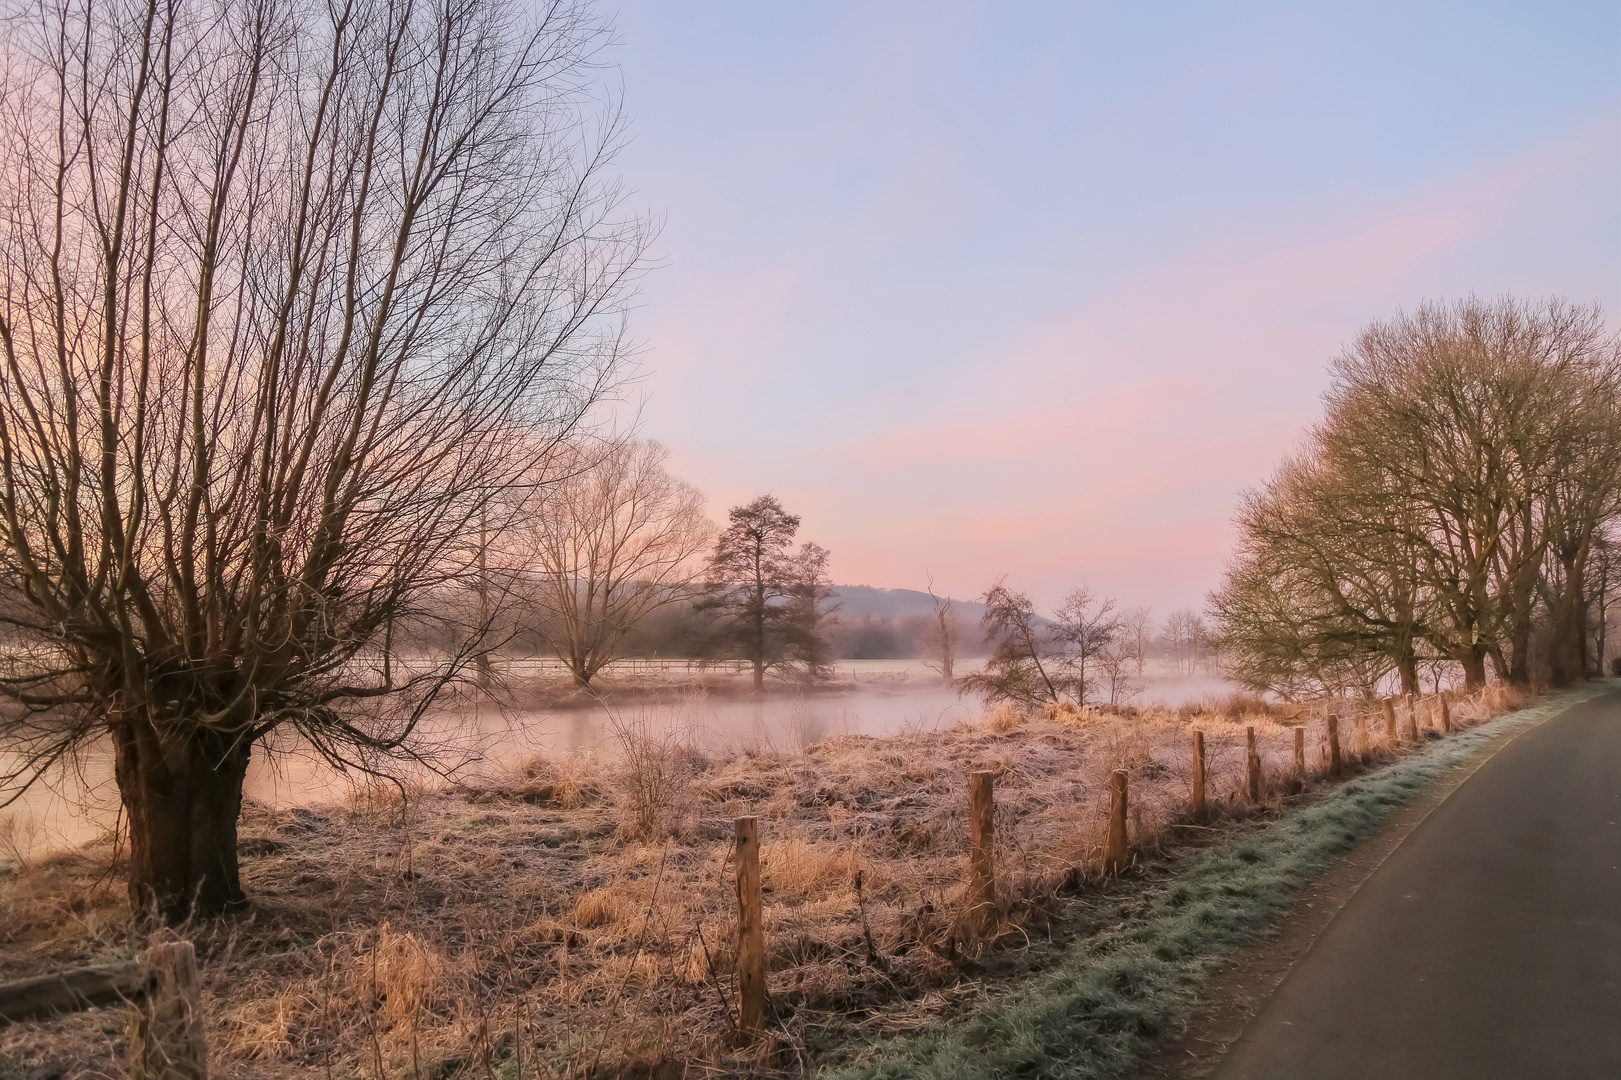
(1488, 945)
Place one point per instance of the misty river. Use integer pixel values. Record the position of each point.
(77, 803)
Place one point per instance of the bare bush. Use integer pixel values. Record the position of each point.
(657, 750)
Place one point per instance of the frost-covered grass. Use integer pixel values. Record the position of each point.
(1095, 1013)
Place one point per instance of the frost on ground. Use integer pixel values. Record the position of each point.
(577, 919)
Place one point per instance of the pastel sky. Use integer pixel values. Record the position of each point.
(1037, 289)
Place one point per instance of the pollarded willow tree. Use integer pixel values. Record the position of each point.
(294, 294)
(1444, 510)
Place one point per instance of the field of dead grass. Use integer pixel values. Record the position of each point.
(578, 919)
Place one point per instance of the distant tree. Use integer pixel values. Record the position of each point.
(807, 611)
(944, 637)
(1115, 663)
(1015, 670)
(1083, 628)
(769, 603)
(597, 551)
(1137, 626)
(1177, 635)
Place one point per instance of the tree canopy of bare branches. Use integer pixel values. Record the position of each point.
(614, 538)
(1443, 511)
(293, 294)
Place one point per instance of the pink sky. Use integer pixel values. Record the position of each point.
(1086, 405)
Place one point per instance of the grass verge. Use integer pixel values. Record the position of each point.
(1095, 1013)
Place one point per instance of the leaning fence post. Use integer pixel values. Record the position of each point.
(750, 929)
(981, 851)
(1199, 811)
(167, 1040)
(1446, 714)
(1253, 761)
(1390, 722)
(1334, 761)
(1114, 844)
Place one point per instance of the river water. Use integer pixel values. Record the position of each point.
(79, 802)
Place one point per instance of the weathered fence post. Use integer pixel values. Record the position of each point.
(1300, 758)
(1412, 719)
(1363, 746)
(1252, 759)
(1390, 722)
(1446, 713)
(1335, 763)
(1199, 810)
(1114, 844)
(750, 929)
(981, 852)
(167, 1039)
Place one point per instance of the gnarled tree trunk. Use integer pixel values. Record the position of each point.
(181, 786)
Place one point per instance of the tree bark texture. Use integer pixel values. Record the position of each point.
(181, 786)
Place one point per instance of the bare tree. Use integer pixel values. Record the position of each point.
(1115, 662)
(944, 636)
(1443, 509)
(293, 295)
(1033, 660)
(1137, 626)
(1015, 670)
(1084, 628)
(808, 611)
(614, 538)
(1179, 634)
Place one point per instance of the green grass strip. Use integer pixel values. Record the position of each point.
(1114, 993)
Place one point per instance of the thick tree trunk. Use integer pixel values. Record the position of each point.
(181, 786)
(1568, 656)
(1473, 660)
(1407, 667)
(1519, 658)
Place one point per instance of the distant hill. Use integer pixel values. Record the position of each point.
(859, 600)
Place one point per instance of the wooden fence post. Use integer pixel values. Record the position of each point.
(1114, 844)
(1199, 810)
(1300, 758)
(1390, 722)
(167, 1040)
(750, 929)
(1335, 763)
(1364, 747)
(1252, 760)
(981, 852)
(1412, 719)
(1446, 713)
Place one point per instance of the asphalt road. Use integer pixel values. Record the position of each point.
(1487, 945)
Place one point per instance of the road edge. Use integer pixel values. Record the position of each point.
(1248, 978)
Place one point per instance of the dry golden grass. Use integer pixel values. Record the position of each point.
(552, 918)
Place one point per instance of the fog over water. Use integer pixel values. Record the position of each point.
(876, 698)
